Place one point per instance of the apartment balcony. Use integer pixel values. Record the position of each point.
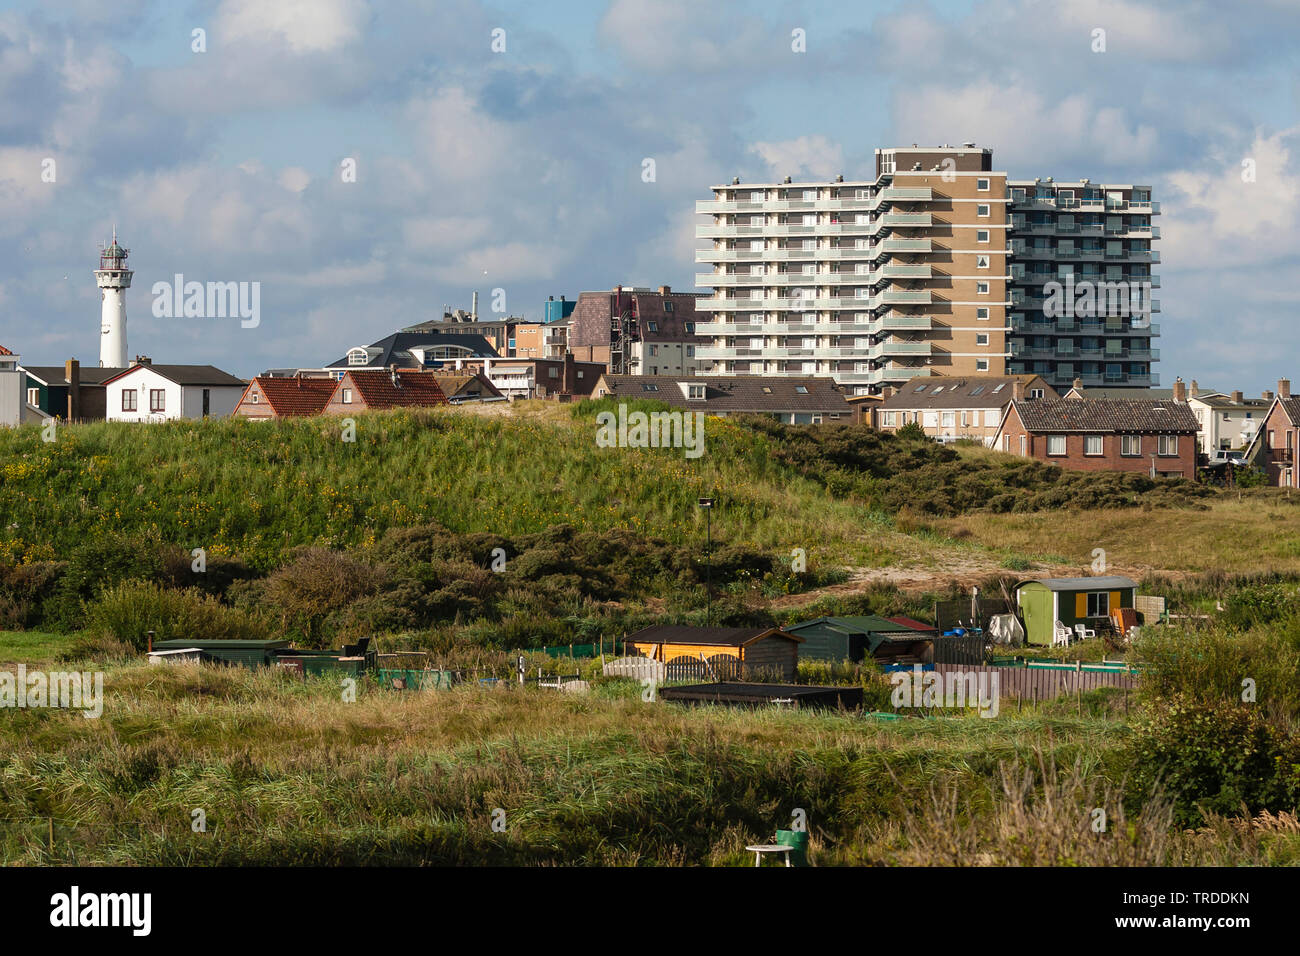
(906, 297)
(906, 271)
(901, 246)
(731, 255)
(729, 232)
(903, 220)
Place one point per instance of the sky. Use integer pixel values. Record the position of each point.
(501, 147)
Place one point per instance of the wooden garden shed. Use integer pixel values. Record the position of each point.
(755, 648)
(855, 638)
(1086, 601)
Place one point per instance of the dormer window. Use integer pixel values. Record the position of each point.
(358, 357)
(695, 392)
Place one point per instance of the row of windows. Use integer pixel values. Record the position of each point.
(1130, 446)
(157, 400)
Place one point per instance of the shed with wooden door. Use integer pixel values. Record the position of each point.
(747, 649)
(1086, 601)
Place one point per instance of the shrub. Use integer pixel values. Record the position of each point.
(1213, 758)
(127, 612)
(305, 592)
(98, 563)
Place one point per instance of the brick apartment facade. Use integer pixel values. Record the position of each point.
(637, 331)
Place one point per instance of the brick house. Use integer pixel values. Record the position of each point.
(958, 406)
(1274, 447)
(271, 397)
(1151, 437)
(363, 390)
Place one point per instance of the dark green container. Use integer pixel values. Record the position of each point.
(245, 653)
(797, 839)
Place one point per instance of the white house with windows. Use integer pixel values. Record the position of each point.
(154, 393)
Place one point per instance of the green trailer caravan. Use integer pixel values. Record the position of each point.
(1086, 601)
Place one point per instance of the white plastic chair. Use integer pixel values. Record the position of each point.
(1061, 635)
(1084, 632)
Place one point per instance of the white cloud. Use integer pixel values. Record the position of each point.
(305, 26)
(814, 157)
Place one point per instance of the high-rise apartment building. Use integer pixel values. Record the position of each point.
(1082, 282)
(919, 272)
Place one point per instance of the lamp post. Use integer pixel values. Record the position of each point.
(707, 505)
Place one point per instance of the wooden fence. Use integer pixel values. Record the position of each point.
(968, 649)
(1041, 683)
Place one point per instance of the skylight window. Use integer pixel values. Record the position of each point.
(976, 390)
(999, 387)
(801, 389)
(647, 387)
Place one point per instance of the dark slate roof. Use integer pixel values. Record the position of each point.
(858, 624)
(303, 395)
(55, 375)
(395, 349)
(185, 374)
(1081, 584)
(968, 391)
(412, 388)
(1218, 400)
(1118, 415)
(1292, 407)
(720, 636)
(1121, 393)
(735, 393)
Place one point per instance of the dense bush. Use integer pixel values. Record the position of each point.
(1213, 758)
(126, 612)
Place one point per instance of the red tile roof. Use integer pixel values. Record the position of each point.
(299, 395)
(5, 351)
(377, 389)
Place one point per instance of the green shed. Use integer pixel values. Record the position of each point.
(245, 653)
(854, 638)
(1086, 601)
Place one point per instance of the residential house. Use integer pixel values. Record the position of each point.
(1227, 422)
(637, 331)
(1070, 601)
(795, 401)
(268, 397)
(16, 406)
(1151, 437)
(415, 350)
(69, 391)
(362, 390)
(768, 649)
(146, 392)
(464, 386)
(1274, 447)
(953, 407)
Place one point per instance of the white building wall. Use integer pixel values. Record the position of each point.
(142, 380)
(13, 391)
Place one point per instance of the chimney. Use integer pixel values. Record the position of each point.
(570, 375)
(1180, 391)
(392, 373)
(474, 309)
(72, 372)
(1077, 383)
(664, 290)
(1236, 398)
(1194, 390)
(1018, 391)
(1283, 388)
(1268, 396)
(887, 391)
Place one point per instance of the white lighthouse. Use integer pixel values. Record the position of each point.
(114, 278)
